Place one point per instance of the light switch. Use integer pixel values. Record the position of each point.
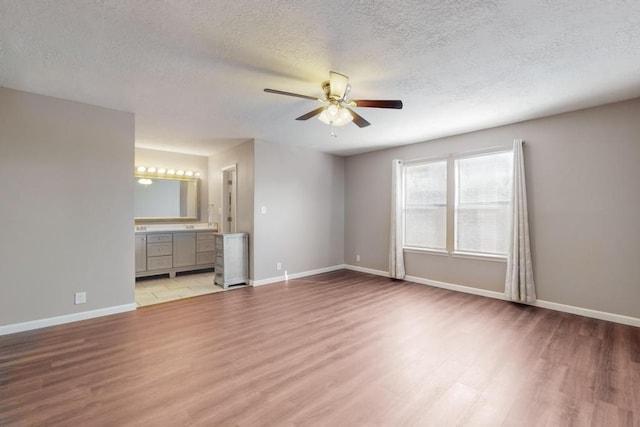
(263, 209)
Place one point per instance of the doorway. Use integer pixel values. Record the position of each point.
(229, 199)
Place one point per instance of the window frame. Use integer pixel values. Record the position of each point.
(417, 162)
(451, 205)
(456, 178)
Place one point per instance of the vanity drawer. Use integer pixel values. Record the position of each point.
(159, 262)
(204, 258)
(159, 238)
(204, 246)
(206, 236)
(159, 249)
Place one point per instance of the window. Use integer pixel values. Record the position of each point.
(425, 205)
(478, 212)
(483, 196)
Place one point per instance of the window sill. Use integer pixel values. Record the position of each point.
(463, 255)
(415, 250)
(480, 257)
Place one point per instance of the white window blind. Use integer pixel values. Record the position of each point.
(425, 205)
(483, 194)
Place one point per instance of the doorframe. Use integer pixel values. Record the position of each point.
(225, 203)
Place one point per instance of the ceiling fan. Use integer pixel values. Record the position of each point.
(337, 108)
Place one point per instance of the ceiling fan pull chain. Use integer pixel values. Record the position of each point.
(333, 131)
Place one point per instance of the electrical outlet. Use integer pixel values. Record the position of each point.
(81, 298)
(357, 258)
(279, 266)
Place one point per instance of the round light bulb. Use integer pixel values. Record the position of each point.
(180, 172)
(141, 169)
(151, 170)
(171, 172)
(332, 110)
(162, 170)
(189, 173)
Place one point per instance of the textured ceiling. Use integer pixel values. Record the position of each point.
(193, 71)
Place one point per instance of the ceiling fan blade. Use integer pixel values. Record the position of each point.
(397, 104)
(358, 119)
(338, 84)
(311, 114)
(297, 95)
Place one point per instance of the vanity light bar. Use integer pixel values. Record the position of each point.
(163, 171)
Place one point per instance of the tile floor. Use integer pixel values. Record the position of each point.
(157, 289)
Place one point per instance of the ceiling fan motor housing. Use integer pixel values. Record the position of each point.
(326, 88)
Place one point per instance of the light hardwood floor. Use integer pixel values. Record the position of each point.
(338, 349)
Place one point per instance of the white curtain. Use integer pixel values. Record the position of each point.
(396, 257)
(519, 284)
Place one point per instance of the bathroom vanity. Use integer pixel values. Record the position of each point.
(173, 251)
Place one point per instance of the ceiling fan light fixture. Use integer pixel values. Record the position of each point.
(324, 117)
(335, 115)
(345, 115)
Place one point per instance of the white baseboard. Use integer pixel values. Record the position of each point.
(58, 320)
(67, 318)
(587, 312)
(453, 287)
(277, 279)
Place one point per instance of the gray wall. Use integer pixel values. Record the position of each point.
(584, 205)
(243, 156)
(67, 207)
(303, 192)
(170, 160)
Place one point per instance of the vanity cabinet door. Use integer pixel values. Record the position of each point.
(141, 252)
(184, 249)
(205, 246)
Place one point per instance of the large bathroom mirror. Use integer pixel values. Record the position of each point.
(166, 199)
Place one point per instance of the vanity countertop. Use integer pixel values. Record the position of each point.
(173, 228)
